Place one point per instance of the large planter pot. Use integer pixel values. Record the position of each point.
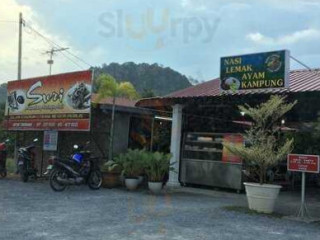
(155, 187)
(110, 180)
(262, 197)
(131, 183)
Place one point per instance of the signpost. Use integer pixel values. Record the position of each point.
(268, 70)
(304, 164)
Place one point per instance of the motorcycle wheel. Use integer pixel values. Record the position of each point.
(54, 184)
(23, 174)
(95, 180)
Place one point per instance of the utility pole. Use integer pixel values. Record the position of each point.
(21, 23)
(51, 53)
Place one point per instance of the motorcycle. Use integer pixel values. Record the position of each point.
(26, 162)
(3, 158)
(80, 169)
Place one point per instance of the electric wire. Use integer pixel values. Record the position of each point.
(71, 60)
(59, 46)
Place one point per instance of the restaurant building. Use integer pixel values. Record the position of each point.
(203, 117)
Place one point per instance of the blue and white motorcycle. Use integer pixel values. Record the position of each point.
(80, 169)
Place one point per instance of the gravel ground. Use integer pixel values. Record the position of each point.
(33, 211)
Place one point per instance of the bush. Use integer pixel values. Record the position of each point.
(132, 162)
(157, 166)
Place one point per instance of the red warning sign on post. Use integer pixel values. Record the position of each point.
(303, 163)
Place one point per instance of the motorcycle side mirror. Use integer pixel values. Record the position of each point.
(75, 146)
(35, 140)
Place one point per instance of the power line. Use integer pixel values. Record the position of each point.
(54, 44)
(71, 60)
(59, 46)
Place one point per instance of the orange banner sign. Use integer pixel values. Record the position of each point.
(58, 102)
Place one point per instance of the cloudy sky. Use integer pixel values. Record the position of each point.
(189, 36)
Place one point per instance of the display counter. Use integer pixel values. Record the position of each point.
(204, 160)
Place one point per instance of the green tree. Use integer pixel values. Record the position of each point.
(109, 87)
(162, 80)
(147, 93)
(263, 149)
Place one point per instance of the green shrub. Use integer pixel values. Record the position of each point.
(132, 162)
(157, 165)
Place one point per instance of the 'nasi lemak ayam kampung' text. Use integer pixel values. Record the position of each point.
(251, 78)
(254, 71)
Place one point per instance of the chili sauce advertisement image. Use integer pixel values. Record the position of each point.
(267, 70)
(60, 102)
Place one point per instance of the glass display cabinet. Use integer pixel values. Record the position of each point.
(204, 160)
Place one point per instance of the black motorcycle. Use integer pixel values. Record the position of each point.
(3, 158)
(26, 162)
(81, 168)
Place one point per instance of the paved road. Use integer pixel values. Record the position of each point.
(32, 211)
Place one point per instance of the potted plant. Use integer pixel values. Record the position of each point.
(111, 171)
(157, 165)
(263, 150)
(131, 164)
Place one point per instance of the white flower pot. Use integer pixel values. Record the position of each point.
(262, 197)
(131, 183)
(155, 187)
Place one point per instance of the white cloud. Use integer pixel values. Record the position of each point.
(296, 37)
(293, 5)
(195, 5)
(34, 61)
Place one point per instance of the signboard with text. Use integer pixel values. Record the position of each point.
(255, 71)
(303, 163)
(58, 102)
(50, 140)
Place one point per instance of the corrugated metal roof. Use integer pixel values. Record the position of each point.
(124, 102)
(300, 81)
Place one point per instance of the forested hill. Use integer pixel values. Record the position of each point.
(161, 80)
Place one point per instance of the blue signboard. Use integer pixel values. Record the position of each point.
(255, 71)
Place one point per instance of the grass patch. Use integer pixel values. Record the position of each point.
(245, 210)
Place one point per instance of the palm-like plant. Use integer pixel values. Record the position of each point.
(109, 87)
(263, 148)
(132, 162)
(157, 165)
